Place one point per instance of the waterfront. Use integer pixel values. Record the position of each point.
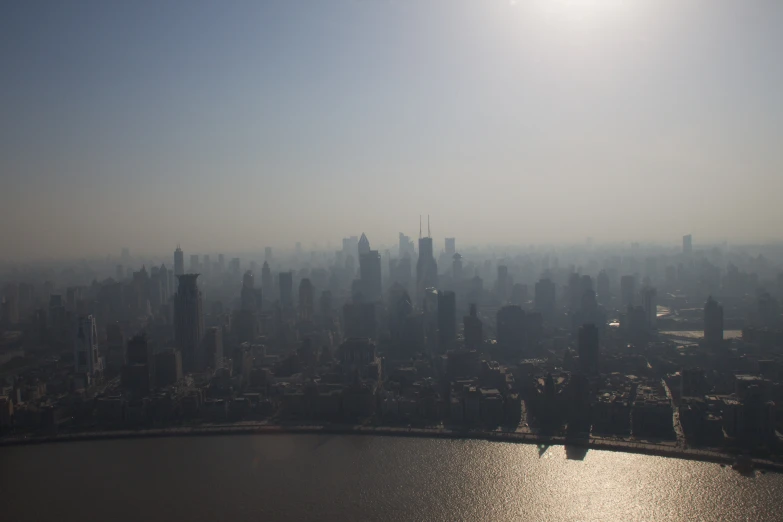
(336, 477)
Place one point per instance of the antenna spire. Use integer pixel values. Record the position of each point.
(428, 226)
(419, 226)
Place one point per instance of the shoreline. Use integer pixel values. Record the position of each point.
(651, 449)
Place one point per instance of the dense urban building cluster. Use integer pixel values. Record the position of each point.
(680, 346)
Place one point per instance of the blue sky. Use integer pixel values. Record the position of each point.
(232, 125)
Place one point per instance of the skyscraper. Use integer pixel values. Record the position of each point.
(603, 287)
(248, 294)
(305, 300)
(650, 308)
(364, 246)
(213, 347)
(86, 357)
(713, 323)
(451, 246)
(588, 348)
(194, 263)
(511, 328)
(502, 283)
(370, 275)
(286, 282)
(447, 320)
(473, 329)
(426, 266)
(189, 322)
(456, 268)
(266, 281)
(544, 299)
(179, 262)
(687, 244)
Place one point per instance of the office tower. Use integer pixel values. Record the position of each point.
(511, 328)
(370, 275)
(430, 318)
(364, 246)
(350, 245)
(687, 244)
(234, 266)
(627, 291)
(360, 320)
(114, 354)
(426, 266)
(189, 322)
(588, 349)
(473, 329)
(86, 357)
(305, 300)
(544, 299)
(165, 282)
(574, 291)
(406, 247)
(267, 254)
(713, 323)
(401, 271)
(447, 320)
(138, 374)
(248, 294)
(206, 265)
(119, 272)
(650, 308)
(266, 281)
(286, 283)
(168, 367)
(179, 262)
(502, 283)
(456, 268)
(603, 291)
(194, 264)
(451, 246)
(213, 347)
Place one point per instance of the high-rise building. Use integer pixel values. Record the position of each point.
(650, 307)
(305, 300)
(693, 382)
(627, 291)
(447, 320)
(266, 281)
(603, 288)
(426, 266)
(364, 246)
(168, 367)
(194, 263)
(687, 244)
(86, 357)
(248, 294)
(234, 266)
(189, 322)
(588, 349)
(456, 268)
(370, 274)
(165, 282)
(286, 282)
(511, 328)
(451, 246)
(213, 347)
(502, 283)
(406, 247)
(713, 323)
(138, 374)
(360, 320)
(325, 304)
(545, 297)
(179, 262)
(473, 329)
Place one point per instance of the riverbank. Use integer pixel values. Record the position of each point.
(597, 443)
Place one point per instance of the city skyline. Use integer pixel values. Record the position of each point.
(527, 121)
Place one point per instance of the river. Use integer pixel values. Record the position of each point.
(343, 477)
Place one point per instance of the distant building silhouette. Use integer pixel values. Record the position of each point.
(511, 328)
(473, 329)
(650, 308)
(687, 244)
(306, 299)
(713, 324)
(189, 322)
(213, 347)
(426, 266)
(286, 282)
(266, 282)
(370, 273)
(363, 246)
(451, 246)
(179, 262)
(545, 297)
(627, 291)
(86, 357)
(456, 268)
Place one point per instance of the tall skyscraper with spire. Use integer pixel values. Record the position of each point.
(426, 266)
(364, 245)
(179, 262)
(189, 322)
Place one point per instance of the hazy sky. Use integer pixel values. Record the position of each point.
(232, 125)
